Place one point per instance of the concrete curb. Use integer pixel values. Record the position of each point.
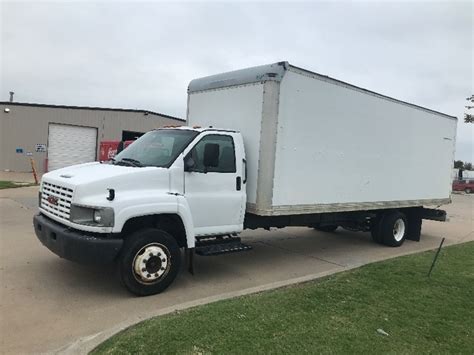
(86, 344)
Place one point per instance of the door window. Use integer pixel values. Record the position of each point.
(226, 162)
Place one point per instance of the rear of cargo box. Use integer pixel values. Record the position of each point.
(315, 144)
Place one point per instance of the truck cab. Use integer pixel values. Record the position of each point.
(169, 188)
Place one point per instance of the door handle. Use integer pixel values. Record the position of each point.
(238, 183)
(245, 170)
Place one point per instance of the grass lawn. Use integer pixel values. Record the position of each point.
(12, 184)
(339, 314)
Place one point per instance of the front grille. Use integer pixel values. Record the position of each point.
(64, 198)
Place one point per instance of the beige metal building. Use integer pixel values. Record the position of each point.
(57, 136)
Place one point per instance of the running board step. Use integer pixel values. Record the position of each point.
(209, 247)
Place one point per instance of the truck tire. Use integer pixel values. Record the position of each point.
(328, 229)
(149, 262)
(375, 231)
(468, 190)
(393, 228)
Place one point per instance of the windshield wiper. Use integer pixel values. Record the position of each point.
(129, 161)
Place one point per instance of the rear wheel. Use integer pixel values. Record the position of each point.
(149, 262)
(392, 229)
(468, 190)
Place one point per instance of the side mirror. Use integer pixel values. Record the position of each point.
(211, 155)
(189, 163)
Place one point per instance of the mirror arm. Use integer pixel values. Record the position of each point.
(187, 168)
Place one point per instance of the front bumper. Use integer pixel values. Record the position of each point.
(75, 245)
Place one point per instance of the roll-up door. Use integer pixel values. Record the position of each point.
(69, 145)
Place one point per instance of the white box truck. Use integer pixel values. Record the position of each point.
(269, 146)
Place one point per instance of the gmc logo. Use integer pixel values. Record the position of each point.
(52, 200)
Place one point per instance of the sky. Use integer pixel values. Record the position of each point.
(144, 54)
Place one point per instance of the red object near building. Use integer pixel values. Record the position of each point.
(108, 149)
(463, 185)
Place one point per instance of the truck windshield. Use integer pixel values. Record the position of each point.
(156, 148)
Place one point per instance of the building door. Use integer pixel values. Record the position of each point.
(69, 145)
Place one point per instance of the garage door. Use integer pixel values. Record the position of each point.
(69, 145)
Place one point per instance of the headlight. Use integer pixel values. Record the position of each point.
(97, 216)
(92, 216)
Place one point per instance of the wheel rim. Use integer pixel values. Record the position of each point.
(399, 229)
(151, 263)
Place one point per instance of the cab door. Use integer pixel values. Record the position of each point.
(216, 194)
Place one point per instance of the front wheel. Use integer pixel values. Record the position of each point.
(468, 190)
(149, 262)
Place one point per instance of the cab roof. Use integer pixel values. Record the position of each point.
(198, 128)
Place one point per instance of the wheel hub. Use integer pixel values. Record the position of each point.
(151, 263)
(399, 229)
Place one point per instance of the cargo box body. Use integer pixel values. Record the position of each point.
(315, 144)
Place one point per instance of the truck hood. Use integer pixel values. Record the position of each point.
(95, 178)
(89, 172)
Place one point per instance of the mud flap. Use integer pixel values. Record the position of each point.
(414, 223)
(189, 253)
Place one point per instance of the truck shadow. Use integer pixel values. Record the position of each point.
(276, 256)
(288, 254)
(85, 279)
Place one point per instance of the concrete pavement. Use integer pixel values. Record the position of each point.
(47, 303)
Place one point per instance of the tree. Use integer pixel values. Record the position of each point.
(467, 166)
(458, 164)
(469, 118)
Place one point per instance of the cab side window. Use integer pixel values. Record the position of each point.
(226, 162)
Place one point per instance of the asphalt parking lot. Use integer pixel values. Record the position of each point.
(47, 303)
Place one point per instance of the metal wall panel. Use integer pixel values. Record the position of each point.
(25, 126)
